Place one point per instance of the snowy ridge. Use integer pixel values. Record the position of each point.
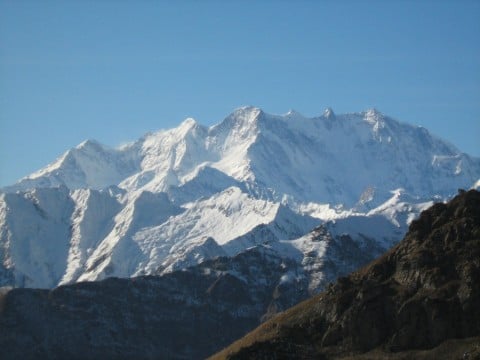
(330, 192)
(330, 159)
(89, 165)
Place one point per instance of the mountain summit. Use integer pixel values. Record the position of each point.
(306, 159)
(330, 191)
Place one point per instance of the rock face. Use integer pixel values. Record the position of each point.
(186, 314)
(422, 293)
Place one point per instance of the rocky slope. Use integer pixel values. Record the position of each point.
(149, 207)
(186, 314)
(423, 294)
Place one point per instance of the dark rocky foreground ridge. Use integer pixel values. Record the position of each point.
(187, 314)
(421, 300)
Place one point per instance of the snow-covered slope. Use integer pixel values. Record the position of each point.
(34, 227)
(177, 197)
(89, 165)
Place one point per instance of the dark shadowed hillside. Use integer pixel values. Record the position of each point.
(420, 300)
(187, 314)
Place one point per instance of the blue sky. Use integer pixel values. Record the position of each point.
(112, 71)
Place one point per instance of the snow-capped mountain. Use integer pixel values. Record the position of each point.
(177, 197)
(335, 159)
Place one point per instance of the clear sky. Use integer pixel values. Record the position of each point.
(114, 70)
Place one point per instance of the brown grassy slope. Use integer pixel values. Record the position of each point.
(423, 292)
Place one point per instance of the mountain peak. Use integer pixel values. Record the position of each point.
(293, 114)
(243, 117)
(250, 112)
(89, 143)
(328, 113)
(187, 124)
(372, 115)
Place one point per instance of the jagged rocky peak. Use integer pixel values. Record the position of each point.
(293, 114)
(328, 113)
(242, 119)
(247, 113)
(373, 116)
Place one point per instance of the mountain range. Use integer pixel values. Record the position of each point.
(329, 193)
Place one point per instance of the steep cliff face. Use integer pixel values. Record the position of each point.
(422, 293)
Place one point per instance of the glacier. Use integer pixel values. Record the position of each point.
(331, 192)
